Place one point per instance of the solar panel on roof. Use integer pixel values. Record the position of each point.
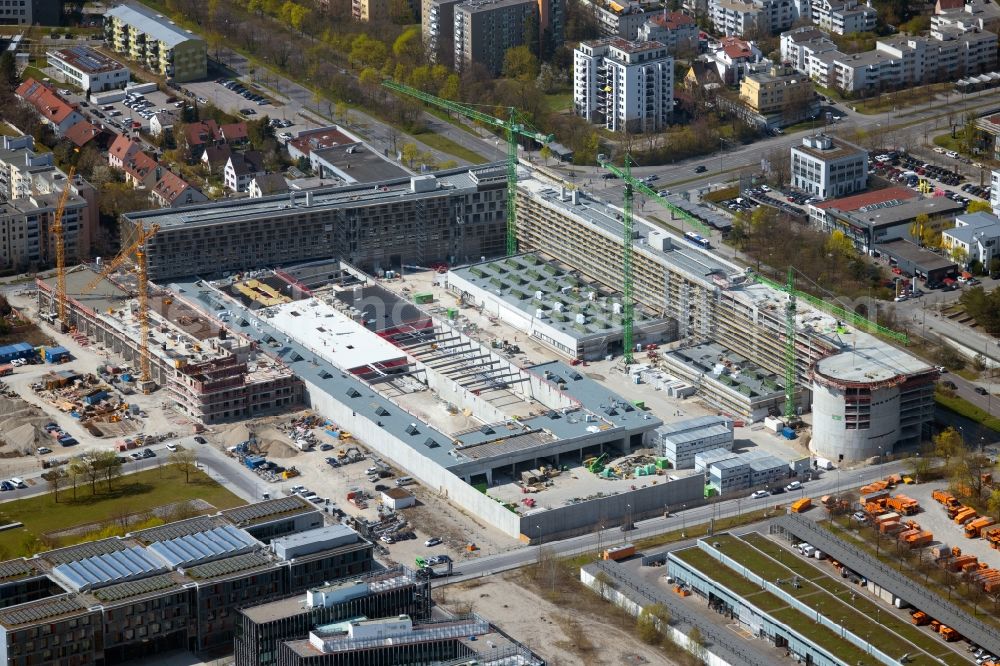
(33, 612)
(15, 568)
(135, 588)
(251, 512)
(228, 566)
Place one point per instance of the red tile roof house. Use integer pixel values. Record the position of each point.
(52, 108)
(122, 150)
(172, 191)
(141, 170)
(207, 132)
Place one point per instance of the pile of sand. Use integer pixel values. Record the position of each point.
(234, 434)
(21, 427)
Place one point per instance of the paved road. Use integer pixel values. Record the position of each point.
(831, 481)
(378, 134)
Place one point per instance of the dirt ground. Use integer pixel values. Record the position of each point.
(550, 630)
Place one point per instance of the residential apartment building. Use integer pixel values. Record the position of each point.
(241, 168)
(672, 29)
(53, 110)
(995, 191)
(88, 69)
(733, 58)
(844, 17)
(756, 17)
(177, 586)
(624, 86)
(975, 237)
(485, 29)
(30, 187)
(30, 12)
(156, 43)
(777, 96)
(453, 216)
(827, 166)
(437, 27)
(897, 61)
(618, 19)
(967, 16)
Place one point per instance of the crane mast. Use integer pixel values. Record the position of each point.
(513, 127)
(60, 243)
(790, 347)
(628, 307)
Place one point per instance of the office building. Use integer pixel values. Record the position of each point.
(872, 218)
(827, 167)
(30, 12)
(676, 31)
(177, 586)
(156, 43)
(777, 96)
(680, 442)
(31, 186)
(843, 17)
(975, 237)
(88, 69)
(451, 216)
(262, 628)
(995, 191)
(624, 86)
(752, 18)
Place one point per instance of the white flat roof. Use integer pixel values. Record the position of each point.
(331, 334)
(867, 359)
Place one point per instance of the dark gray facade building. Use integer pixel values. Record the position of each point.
(176, 586)
(452, 216)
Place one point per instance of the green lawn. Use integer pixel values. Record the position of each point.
(711, 567)
(967, 409)
(557, 102)
(133, 493)
(446, 145)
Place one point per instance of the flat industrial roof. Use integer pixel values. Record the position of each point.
(351, 196)
(904, 211)
(925, 259)
(331, 334)
(730, 368)
(104, 296)
(361, 165)
(86, 59)
(530, 283)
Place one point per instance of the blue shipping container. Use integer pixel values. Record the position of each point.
(56, 354)
(17, 350)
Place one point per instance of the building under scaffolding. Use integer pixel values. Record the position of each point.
(211, 373)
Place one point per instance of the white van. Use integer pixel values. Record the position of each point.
(404, 481)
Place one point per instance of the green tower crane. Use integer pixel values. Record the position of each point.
(628, 307)
(790, 348)
(514, 127)
(639, 186)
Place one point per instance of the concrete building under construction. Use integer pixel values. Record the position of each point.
(210, 373)
(714, 300)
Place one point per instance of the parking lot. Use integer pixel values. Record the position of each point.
(231, 101)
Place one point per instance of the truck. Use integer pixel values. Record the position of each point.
(919, 540)
(919, 618)
(801, 505)
(617, 553)
(974, 528)
(944, 497)
(964, 515)
(992, 536)
(948, 633)
(903, 504)
(6, 369)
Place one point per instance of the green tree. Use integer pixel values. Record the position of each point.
(108, 466)
(545, 153)
(994, 266)
(55, 479)
(920, 223)
(993, 503)
(978, 206)
(186, 460)
(409, 47)
(451, 88)
(959, 255)
(839, 244)
(410, 153)
(368, 52)
(948, 444)
(520, 63)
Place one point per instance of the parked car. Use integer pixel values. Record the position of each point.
(701, 168)
(171, 447)
(981, 391)
(200, 439)
(433, 541)
(759, 494)
(42, 450)
(793, 486)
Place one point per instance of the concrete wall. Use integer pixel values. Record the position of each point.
(830, 437)
(613, 510)
(431, 474)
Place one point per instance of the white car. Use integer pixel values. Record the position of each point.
(939, 150)
(171, 447)
(759, 494)
(433, 541)
(42, 450)
(793, 486)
